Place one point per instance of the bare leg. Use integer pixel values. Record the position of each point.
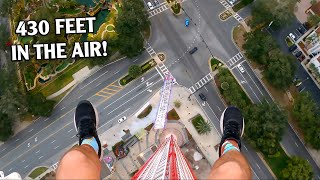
(231, 165)
(81, 162)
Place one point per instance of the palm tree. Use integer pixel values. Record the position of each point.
(203, 127)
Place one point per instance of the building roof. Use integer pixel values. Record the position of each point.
(316, 8)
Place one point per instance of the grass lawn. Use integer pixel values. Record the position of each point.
(62, 65)
(145, 112)
(30, 74)
(195, 121)
(238, 36)
(241, 5)
(173, 115)
(58, 98)
(278, 162)
(62, 79)
(215, 63)
(35, 173)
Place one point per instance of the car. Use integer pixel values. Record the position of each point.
(301, 58)
(293, 37)
(202, 97)
(302, 30)
(156, 2)
(122, 119)
(150, 5)
(298, 54)
(193, 50)
(293, 48)
(241, 69)
(187, 22)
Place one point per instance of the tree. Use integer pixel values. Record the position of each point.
(297, 168)
(257, 46)
(281, 69)
(204, 127)
(39, 105)
(305, 112)
(177, 103)
(4, 37)
(265, 124)
(6, 123)
(6, 7)
(314, 19)
(129, 25)
(278, 12)
(135, 71)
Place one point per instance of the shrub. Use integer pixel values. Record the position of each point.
(145, 112)
(202, 126)
(173, 115)
(177, 103)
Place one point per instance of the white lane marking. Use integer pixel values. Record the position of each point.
(159, 73)
(249, 86)
(255, 84)
(35, 139)
(245, 148)
(129, 92)
(40, 157)
(219, 108)
(62, 108)
(80, 96)
(119, 115)
(3, 149)
(56, 147)
(131, 98)
(28, 144)
(73, 136)
(258, 166)
(26, 166)
(116, 72)
(209, 116)
(70, 130)
(23, 160)
(206, 88)
(296, 144)
(135, 60)
(10, 170)
(37, 151)
(94, 80)
(17, 140)
(30, 130)
(98, 84)
(46, 120)
(53, 141)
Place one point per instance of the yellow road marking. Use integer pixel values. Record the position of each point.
(106, 92)
(110, 89)
(101, 95)
(120, 87)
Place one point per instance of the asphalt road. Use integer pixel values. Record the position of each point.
(31, 147)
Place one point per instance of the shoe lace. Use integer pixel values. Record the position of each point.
(86, 128)
(232, 129)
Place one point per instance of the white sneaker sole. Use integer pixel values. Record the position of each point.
(221, 123)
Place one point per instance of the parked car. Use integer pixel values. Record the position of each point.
(301, 58)
(293, 48)
(293, 37)
(193, 50)
(156, 2)
(187, 22)
(302, 30)
(202, 97)
(122, 119)
(298, 54)
(150, 5)
(241, 69)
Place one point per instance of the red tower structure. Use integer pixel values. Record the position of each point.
(168, 162)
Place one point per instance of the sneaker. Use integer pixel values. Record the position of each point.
(231, 125)
(86, 122)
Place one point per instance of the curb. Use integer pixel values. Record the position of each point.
(266, 165)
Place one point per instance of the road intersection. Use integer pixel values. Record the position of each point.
(49, 137)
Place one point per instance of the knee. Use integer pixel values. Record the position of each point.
(229, 170)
